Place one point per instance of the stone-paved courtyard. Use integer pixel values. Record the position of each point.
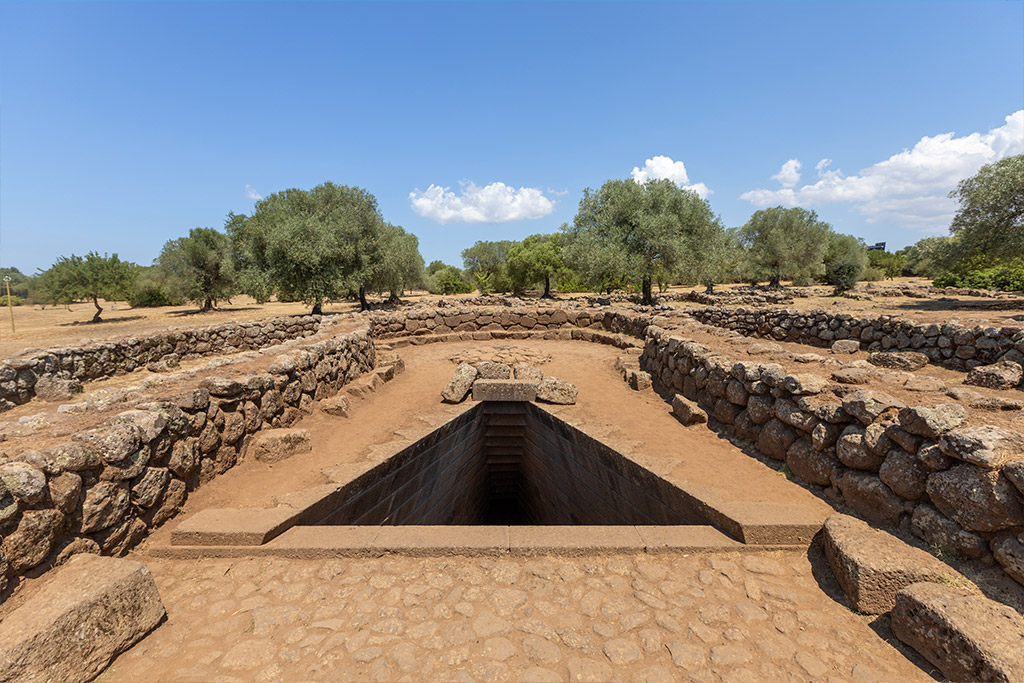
(669, 617)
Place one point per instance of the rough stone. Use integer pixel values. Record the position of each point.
(852, 375)
(24, 482)
(554, 390)
(528, 372)
(942, 533)
(491, 370)
(907, 361)
(1009, 553)
(89, 611)
(65, 492)
(33, 539)
(688, 412)
(221, 386)
(1014, 471)
(924, 384)
(504, 390)
(870, 498)
(977, 499)
(115, 443)
(104, 505)
(274, 445)
(799, 385)
(56, 388)
(337, 405)
(985, 446)
(932, 421)
(904, 474)
(460, 383)
(852, 452)
(775, 438)
(867, 406)
(1002, 375)
(148, 488)
(967, 636)
(845, 346)
(872, 565)
(810, 464)
(638, 380)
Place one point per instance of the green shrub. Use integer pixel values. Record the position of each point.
(15, 300)
(873, 274)
(151, 296)
(448, 280)
(1008, 278)
(843, 274)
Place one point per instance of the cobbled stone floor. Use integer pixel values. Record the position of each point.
(642, 618)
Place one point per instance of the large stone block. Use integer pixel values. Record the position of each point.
(459, 384)
(967, 636)
(977, 499)
(88, 611)
(984, 445)
(558, 391)
(273, 445)
(871, 565)
(504, 390)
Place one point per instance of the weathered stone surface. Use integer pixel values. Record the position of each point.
(852, 375)
(1009, 552)
(89, 611)
(876, 440)
(337, 405)
(932, 421)
(56, 388)
(554, 390)
(1014, 471)
(985, 446)
(528, 372)
(221, 386)
(150, 423)
(870, 498)
(274, 445)
(491, 370)
(852, 452)
(184, 458)
(760, 408)
(29, 544)
(65, 492)
(899, 360)
(104, 505)
(924, 384)
(638, 380)
(148, 488)
(977, 499)
(867, 405)
(775, 438)
(459, 384)
(846, 346)
(1003, 375)
(872, 565)
(24, 482)
(810, 464)
(504, 390)
(76, 457)
(966, 635)
(114, 443)
(688, 412)
(170, 502)
(168, 363)
(804, 384)
(904, 474)
(930, 525)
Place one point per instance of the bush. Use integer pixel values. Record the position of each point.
(1008, 278)
(448, 280)
(872, 274)
(151, 296)
(15, 300)
(843, 275)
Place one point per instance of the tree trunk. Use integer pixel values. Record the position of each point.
(207, 305)
(709, 287)
(775, 284)
(363, 306)
(99, 309)
(547, 287)
(394, 298)
(317, 308)
(646, 299)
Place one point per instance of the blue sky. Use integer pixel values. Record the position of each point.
(123, 125)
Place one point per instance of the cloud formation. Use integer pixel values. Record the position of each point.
(494, 203)
(659, 167)
(910, 188)
(252, 194)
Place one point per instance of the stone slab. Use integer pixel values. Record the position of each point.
(872, 565)
(504, 390)
(573, 540)
(438, 541)
(766, 523)
(241, 526)
(685, 538)
(86, 613)
(967, 636)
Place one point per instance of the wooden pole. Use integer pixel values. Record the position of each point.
(10, 304)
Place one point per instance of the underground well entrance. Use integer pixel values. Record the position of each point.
(511, 463)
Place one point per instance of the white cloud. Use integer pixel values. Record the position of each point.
(789, 174)
(250, 193)
(909, 188)
(659, 167)
(494, 203)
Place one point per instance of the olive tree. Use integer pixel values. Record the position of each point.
(990, 220)
(93, 276)
(197, 267)
(535, 260)
(785, 243)
(391, 264)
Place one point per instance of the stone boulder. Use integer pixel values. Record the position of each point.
(870, 497)
(638, 380)
(554, 390)
(491, 370)
(775, 438)
(907, 361)
(872, 565)
(24, 482)
(33, 539)
(527, 372)
(459, 384)
(930, 525)
(1009, 552)
(932, 421)
(846, 346)
(1014, 471)
(977, 499)
(687, 411)
(337, 405)
(168, 363)
(87, 612)
(965, 635)
(1003, 375)
(853, 375)
(867, 406)
(810, 464)
(57, 388)
(986, 446)
(274, 445)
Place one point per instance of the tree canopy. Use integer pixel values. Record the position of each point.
(636, 231)
(536, 260)
(990, 220)
(785, 243)
(197, 267)
(90, 277)
(309, 245)
(489, 259)
(392, 264)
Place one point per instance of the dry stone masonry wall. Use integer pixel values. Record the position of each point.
(951, 345)
(104, 489)
(20, 375)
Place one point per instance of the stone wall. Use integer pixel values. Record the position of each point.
(915, 468)
(952, 345)
(104, 489)
(18, 376)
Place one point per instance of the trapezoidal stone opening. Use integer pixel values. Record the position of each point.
(510, 463)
